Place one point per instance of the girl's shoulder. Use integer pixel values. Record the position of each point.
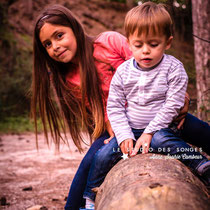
(110, 38)
(110, 34)
(112, 47)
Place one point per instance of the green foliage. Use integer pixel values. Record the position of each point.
(15, 70)
(18, 125)
(181, 1)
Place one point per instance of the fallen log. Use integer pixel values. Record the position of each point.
(148, 182)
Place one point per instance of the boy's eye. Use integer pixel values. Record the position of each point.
(138, 45)
(153, 44)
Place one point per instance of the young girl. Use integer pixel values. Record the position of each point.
(71, 78)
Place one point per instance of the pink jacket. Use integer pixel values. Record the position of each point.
(110, 50)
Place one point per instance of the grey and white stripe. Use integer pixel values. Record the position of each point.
(146, 99)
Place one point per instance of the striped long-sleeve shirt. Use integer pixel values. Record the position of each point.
(146, 99)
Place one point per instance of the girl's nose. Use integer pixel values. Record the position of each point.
(55, 46)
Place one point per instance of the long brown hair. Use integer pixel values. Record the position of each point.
(49, 76)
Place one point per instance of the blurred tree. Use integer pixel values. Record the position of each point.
(182, 17)
(130, 3)
(15, 68)
(201, 29)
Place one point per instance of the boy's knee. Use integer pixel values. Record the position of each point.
(159, 138)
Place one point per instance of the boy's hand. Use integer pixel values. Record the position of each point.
(144, 142)
(127, 146)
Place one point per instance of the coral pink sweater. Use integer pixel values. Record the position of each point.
(110, 50)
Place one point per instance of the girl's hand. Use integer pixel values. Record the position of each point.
(106, 141)
(110, 131)
(144, 142)
(127, 146)
(181, 118)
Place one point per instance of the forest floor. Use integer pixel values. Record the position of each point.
(30, 177)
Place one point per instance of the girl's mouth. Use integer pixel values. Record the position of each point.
(59, 55)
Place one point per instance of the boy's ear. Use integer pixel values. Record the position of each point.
(168, 43)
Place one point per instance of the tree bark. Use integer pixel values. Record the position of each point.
(147, 182)
(201, 28)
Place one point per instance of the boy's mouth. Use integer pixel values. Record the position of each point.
(146, 60)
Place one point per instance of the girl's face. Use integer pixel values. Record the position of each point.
(59, 42)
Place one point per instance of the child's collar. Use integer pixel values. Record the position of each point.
(146, 69)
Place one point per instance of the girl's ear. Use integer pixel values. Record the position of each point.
(168, 42)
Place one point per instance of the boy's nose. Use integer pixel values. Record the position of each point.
(146, 49)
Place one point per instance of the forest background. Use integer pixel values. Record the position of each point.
(16, 42)
(31, 177)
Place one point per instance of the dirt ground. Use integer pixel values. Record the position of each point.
(29, 177)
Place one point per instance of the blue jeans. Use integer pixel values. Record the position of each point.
(165, 141)
(75, 198)
(195, 132)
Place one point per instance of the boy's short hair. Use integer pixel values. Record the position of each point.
(148, 18)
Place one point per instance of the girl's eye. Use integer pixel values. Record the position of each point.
(47, 44)
(59, 35)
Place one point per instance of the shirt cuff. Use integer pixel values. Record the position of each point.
(122, 137)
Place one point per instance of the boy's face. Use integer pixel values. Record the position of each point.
(148, 50)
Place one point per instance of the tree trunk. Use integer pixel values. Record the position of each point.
(147, 182)
(201, 28)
